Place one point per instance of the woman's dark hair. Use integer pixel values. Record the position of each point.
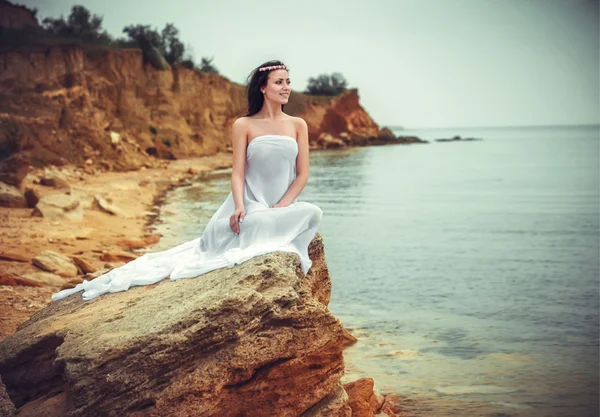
(256, 80)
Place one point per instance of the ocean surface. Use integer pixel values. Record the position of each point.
(469, 271)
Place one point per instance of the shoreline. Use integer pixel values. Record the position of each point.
(99, 238)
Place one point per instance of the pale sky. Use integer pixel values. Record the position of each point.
(416, 63)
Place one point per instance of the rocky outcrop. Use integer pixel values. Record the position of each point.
(253, 340)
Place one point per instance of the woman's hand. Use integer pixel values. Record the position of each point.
(235, 220)
(280, 204)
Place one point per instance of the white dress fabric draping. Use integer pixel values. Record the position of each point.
(270, 170)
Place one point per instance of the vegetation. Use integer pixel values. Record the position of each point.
(326, 85)
(81, 24)
(84, 28)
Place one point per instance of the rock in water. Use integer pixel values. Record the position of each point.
(253, 340)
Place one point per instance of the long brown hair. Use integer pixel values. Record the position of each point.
(256, 80)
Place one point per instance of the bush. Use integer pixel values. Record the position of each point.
(207, 66)
(81, 25)
(326, 85)
(149, 40)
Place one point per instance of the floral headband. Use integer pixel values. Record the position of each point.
(272, 67)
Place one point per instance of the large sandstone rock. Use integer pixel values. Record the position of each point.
(253, 340)
(54, 178)
(7, 408)
(14, 169)
(57, 206)
(56, 263)
(11, 196)
(362, 399)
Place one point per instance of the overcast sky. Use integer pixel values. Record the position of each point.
(416, 63)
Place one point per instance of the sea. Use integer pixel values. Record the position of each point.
(469, 271)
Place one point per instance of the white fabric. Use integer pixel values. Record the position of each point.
(270, 169)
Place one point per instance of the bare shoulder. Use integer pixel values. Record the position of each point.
(299, 123)
(241, 122)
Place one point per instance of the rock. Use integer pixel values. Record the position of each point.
(115, 138)
(407, 140)
(457, 138)
(108, 207)
(391, 406)
(83, 265)
(56, 263)
(386, 134)
(7, 408)
(362, 399)
(118, 256)
(11, 197)
(32, 197)
(57, 206)
(14, 169)
(250, 340)
(327, 141)
(13, 255)
(54, 179)
(89, 161)
(15, 280)
(334, 404)
(45, 279)
(139, 243)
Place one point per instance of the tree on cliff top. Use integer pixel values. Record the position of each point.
(81, 24)
(326, 85)
(166, 42)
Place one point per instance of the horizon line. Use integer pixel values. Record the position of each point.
(489, 126)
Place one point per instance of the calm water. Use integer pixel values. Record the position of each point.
(469, 271)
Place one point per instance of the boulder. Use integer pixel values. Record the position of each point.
(14, 255)
(83, 264)
(15, 280)
(56, 263)
(57, 206)
(109, 208)
(14, 169)
(117, 256)
(362, 399)
(251, 340)
(327, 141)
(7, 408)
(32, 197)
(44, 279)
(55, 179)
(11, 197)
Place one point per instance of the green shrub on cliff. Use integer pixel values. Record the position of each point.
(81, 25)
(149, 40)
(326, 85)
(206, 65)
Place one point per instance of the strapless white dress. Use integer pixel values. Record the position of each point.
(270, 170)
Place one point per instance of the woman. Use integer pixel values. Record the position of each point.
(260, 215)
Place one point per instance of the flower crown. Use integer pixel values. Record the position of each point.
(272, 67)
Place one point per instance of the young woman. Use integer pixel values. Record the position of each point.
(260, 215)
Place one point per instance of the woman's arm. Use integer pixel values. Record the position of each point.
(302, 164)
(238, 173)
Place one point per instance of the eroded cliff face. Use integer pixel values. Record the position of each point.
(67, 105)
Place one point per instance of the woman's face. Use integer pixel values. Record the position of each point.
(278, 86)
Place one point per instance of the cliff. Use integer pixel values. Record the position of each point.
(67, 104)
(253, 340)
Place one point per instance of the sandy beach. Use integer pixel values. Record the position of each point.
(101, 239)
